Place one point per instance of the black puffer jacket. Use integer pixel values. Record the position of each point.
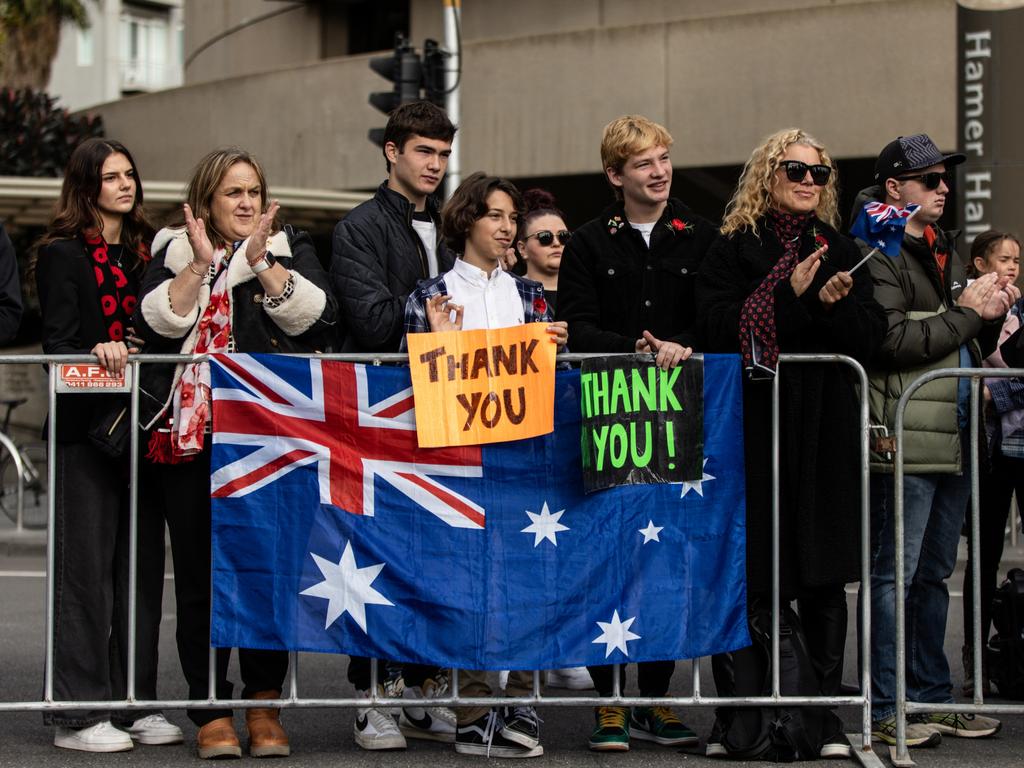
(612, 287)
(376, 260)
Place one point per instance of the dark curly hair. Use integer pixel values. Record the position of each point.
(469, 203)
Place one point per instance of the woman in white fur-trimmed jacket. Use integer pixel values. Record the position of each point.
(225, 282)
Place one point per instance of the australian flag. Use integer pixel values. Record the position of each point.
(333, 531)
(881, 226)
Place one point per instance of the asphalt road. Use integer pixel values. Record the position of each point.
(323, 737)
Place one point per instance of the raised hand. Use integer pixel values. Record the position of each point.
(439, 314)
(804, 272)
(258, 239)
(202, 248)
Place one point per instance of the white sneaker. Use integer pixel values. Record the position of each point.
(155, 729)
(375, 729)
(101, 737)
(573, 678)
(430, 723)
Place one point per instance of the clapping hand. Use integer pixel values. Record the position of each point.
(202, 248)
(258, 239)
(804, 272)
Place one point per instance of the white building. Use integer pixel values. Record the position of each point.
(129, 47)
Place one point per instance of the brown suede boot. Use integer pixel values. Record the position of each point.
(218, 739)
(266, 736)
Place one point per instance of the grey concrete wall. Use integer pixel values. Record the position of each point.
(287, 40)
(535, 104)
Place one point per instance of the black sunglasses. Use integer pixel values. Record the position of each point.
(546, 237)
(797, 170)
(930, 180)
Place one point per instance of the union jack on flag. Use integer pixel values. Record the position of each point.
(289, 416)
(881, 226)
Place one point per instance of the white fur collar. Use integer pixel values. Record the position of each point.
(179, 253)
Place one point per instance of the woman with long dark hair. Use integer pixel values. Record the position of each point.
(87, 272)
(227, 280)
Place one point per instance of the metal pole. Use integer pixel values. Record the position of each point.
(51, 527)
(976, 640)
(133, 530)
(776, 389)
(898, 594)
(452, 42)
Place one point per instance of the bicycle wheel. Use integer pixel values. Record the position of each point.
(34, 488)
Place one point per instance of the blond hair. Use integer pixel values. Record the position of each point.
(629, 135)
(753, 195)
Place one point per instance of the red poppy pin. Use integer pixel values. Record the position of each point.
(540, 306)
(678, 225)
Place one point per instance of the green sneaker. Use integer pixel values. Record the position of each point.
(918, 734)
(660, 725)
(611, 734)
(960, 726)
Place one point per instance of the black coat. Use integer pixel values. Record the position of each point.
(612, 287)
(376, 260)
(10, 290)
(819, 408)
(303, 323)
(73, 324)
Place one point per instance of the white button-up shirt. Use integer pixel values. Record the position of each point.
(490, 301)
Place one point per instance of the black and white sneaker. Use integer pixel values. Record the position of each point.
(522, 725)
(486, 736)
(430, 723)
(376, 729)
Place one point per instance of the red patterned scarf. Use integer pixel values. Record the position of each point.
(758, 342)
(117, 298)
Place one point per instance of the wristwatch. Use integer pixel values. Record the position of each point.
(266, 261)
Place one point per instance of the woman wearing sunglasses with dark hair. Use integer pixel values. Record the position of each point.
(775, 282)
(542, 238)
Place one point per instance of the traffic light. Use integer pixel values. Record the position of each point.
(403, 68)
(435, 61)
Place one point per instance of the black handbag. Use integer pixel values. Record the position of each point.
(110, 430)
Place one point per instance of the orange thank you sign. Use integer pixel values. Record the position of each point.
(487, 386)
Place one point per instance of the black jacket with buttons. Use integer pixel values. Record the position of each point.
(612, 287)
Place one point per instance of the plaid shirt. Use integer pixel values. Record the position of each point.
(535, 306)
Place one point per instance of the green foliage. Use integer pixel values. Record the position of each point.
(37, 137)
(16, 13)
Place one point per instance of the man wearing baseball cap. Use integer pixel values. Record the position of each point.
(935, 320)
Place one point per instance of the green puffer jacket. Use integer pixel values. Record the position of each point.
(926, 329)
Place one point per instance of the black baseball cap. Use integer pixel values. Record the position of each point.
(911, 153)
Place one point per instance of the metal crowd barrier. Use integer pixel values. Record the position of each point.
(291, 697)
(901, 755)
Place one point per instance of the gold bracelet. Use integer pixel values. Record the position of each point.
(191, 268)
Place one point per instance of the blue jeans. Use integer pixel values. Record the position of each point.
(933, 514)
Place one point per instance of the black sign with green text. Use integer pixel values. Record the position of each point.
(641, 424)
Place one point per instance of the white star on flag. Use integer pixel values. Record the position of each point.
(545, 525)
(697, 485)
(347, 587)
(615, 634)
(650, 533)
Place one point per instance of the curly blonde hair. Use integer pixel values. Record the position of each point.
(753, 195)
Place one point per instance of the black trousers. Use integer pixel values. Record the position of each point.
(185, 492)
(652, 677)
(90, 631)
(1004, 476)
(823, 615)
